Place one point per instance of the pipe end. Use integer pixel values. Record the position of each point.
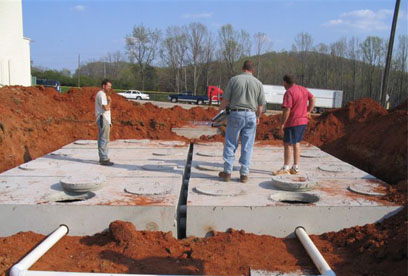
(16, 270)
(66, 226)
(329, 273)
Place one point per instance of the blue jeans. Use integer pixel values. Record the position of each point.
(103, 137)
(240, 124)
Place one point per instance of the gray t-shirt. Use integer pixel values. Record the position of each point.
(244, 91)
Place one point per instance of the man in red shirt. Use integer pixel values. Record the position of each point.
(298, 102)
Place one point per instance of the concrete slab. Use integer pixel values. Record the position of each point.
(197, 131)
(258, 206)
(32, 197)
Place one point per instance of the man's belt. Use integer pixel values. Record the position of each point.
(241, 110)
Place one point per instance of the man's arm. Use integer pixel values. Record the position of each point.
(107, 107)
(223, 104)
(285, 116)
(259, 113)
(310, 106)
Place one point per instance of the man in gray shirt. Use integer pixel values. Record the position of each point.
(245, 98)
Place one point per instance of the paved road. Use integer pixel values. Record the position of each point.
(188, 106)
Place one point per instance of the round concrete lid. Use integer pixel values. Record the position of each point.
(336, 168)
(82, 184)
(38, 165)
(160, 168)
(215, 188)
(85, 142)
(136, 141)
(210, 168)
(209, 153)
(312, 154)
(210, 144)
(172, 143)
(294, 197)
(214, 167)
(60, 154)
(149, 188)
(64, 197)
(168, 152)
(298, 182)
(369, 187)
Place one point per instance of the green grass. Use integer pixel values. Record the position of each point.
(154, 95)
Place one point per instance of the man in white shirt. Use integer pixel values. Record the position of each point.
(103, 120)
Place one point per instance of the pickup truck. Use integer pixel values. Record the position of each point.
(214, 93)
(49, 83)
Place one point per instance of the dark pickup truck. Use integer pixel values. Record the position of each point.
(188, 98)
(213, 92)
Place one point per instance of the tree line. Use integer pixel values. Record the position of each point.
(191, 57)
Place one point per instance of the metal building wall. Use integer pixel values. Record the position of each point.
(14, 47)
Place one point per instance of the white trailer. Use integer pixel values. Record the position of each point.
(325, 98)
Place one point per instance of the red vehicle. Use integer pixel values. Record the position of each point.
(214, 94)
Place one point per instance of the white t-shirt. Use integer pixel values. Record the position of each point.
(100, 100)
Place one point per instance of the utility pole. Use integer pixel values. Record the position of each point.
(384, 85)
(79, 70)
(104, 68)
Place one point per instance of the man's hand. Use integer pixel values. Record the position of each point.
(257, 120)
(309, 115)
(282, 126)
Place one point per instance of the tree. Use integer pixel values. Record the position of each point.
(338, 51)
(353, 54)
(262, 45)
(323, 49)
(303, 44)
(233, 46)
(142, 46)
(196, 34)
(402, 66)
(173, 54)
(372, 52)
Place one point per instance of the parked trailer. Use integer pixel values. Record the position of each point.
(325, 98)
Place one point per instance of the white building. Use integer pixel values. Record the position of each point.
(14, 47)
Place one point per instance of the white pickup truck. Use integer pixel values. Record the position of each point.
(325, 99)
(134, 95)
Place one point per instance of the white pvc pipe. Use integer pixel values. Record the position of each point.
(23, 265)
(60, 273)
(314, 253)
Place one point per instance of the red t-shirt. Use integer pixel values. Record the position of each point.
(296, 98)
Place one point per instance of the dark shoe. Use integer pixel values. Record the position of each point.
(243, 178)
(225, 176)
(106, 162)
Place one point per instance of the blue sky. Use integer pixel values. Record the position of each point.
(60, 30)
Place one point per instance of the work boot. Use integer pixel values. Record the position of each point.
(106, 162)
(281, 171)
(243, 178)
(225, 176)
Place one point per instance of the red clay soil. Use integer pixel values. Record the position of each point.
(36, 121)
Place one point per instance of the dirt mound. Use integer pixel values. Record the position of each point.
(366, 135)
(373, 249)
(402, 106)
(362, 133)
(37, 120)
